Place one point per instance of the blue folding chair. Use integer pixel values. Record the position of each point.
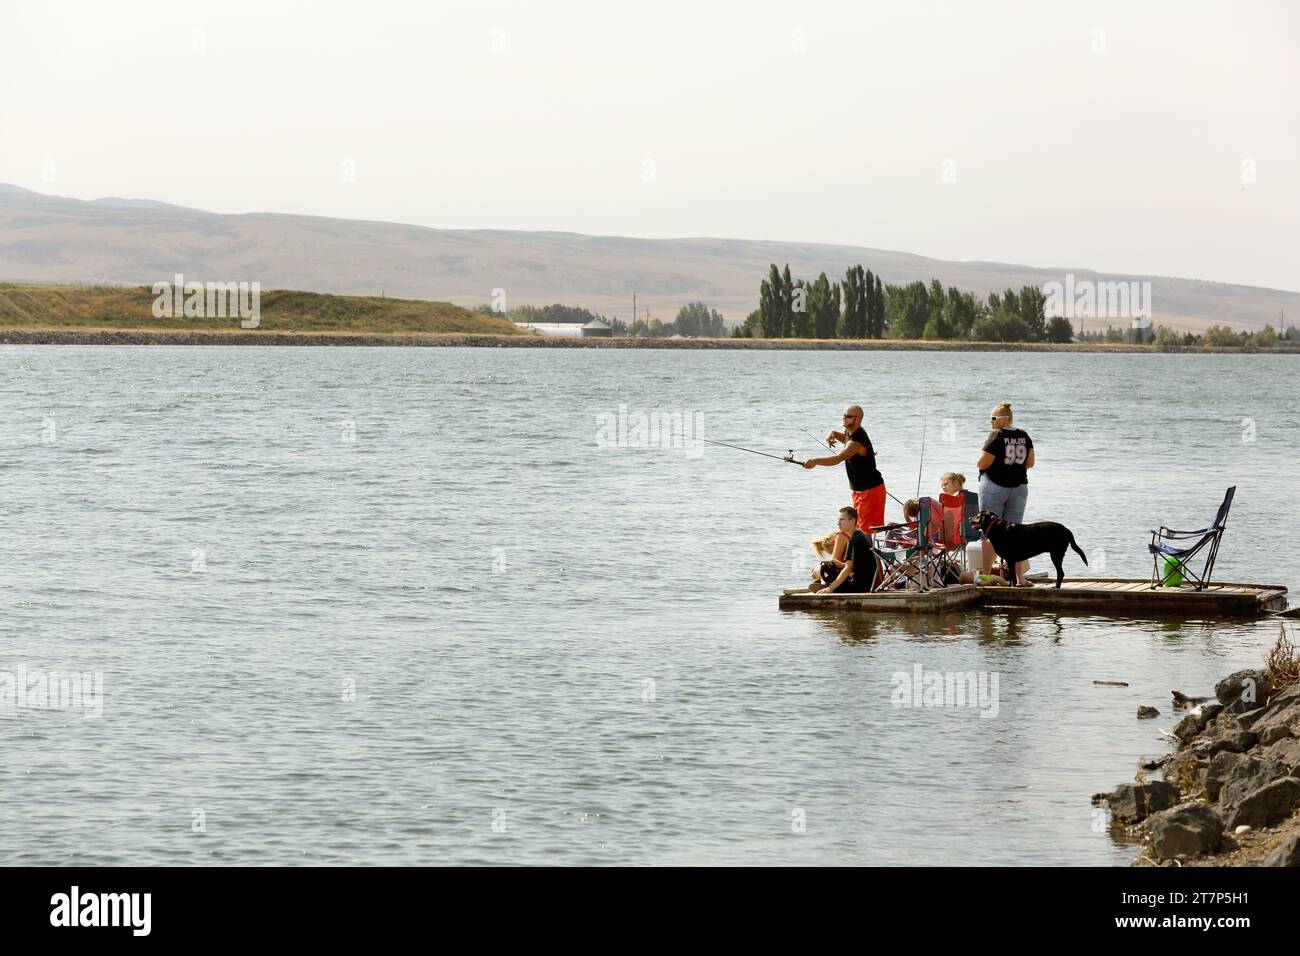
(1183, 546)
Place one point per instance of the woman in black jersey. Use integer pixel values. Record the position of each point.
(1004, 462)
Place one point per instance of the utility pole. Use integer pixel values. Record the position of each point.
(633, 313)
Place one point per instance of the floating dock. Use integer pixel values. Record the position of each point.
(1118, 596)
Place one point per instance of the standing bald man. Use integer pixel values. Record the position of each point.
(859, 459)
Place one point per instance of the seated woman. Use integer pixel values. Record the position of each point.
(831, 550)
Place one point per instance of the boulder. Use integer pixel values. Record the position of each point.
(1235, 741)
(1134, 802)
(1286, 695)
(1246, 776)
(1189, 726)
(1187, 830)
(1145, 712)
(1211, 710)
(1287, 753)
(1221, 764)
(1278, 723)
(1247, 720)
(1287, 853)
(1266, 805)
(1242, 690)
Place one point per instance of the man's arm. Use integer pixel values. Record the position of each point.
(851, 449)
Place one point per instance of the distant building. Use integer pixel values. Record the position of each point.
(596, 328)
(553, 328)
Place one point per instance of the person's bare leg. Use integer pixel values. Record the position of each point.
(986, 551)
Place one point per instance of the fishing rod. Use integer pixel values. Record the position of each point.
(922, 464)
(828, 445)
(790, 457)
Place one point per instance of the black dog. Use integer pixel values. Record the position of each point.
(1020, 542)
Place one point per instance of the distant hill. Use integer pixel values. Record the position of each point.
(127, 307)
(111, 241)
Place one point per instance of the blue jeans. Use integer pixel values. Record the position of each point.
(1007, 503)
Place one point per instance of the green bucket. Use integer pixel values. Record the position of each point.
(1173, 576)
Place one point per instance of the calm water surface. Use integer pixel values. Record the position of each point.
(405, 606)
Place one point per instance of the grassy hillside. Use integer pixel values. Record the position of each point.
(121, 307)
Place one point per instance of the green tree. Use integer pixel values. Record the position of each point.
(751, 327)
(1166, 337)
(1033, 310)
(1265, 338)
(961, 310)
(907, 310)
(1220, 336)
(801, 316)
(787, 303)
(1059, 330)
(1001, 326)
(876, 312)
(769, 304)
(824, 306)
(854, 322)
(937, 325)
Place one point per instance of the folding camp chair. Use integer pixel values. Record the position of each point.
(1183, 546)
(899, 553)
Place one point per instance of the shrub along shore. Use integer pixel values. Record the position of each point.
(236, 336)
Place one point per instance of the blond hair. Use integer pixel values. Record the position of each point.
(1004, 408)
(956, 476)
(825, 545)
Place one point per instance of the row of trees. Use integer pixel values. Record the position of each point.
(862, 307)
(1216, 336)
(794, 308)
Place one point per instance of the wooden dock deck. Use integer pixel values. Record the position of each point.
(1118, 596)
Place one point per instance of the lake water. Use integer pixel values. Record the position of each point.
(411, 605)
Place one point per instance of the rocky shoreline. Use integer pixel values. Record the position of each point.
(89, 336)
(1231, 787)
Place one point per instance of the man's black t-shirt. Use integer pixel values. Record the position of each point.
(862, 468)
(864, 564)
(1009, 448)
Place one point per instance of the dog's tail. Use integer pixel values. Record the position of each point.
(1077, 549)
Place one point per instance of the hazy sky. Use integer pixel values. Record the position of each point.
(1129, 137)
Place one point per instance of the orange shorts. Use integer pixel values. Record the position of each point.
(870, 505)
